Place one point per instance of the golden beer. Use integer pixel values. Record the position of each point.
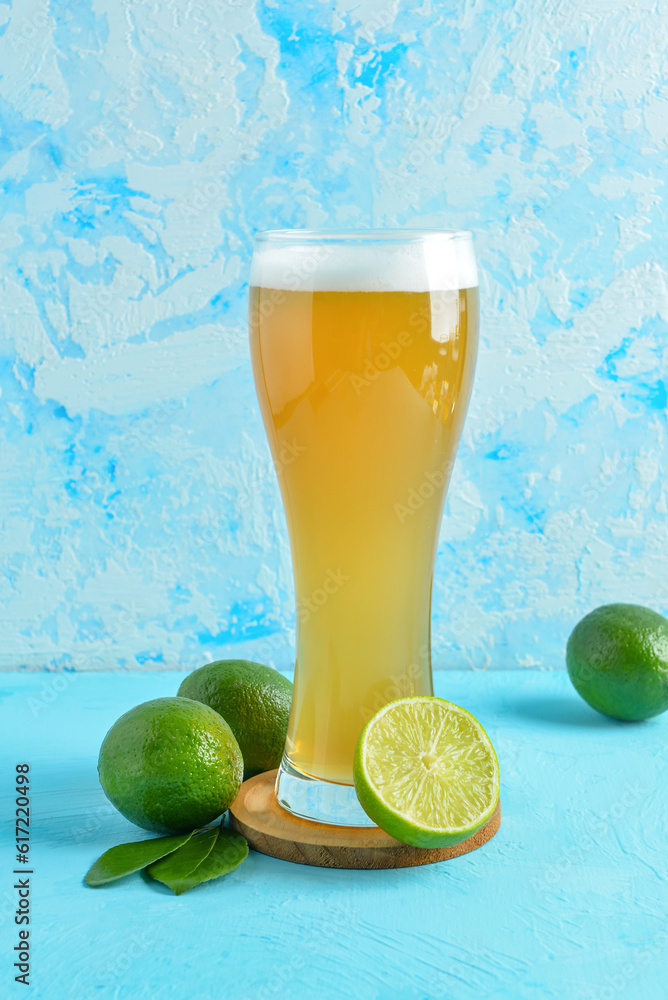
(363, 371)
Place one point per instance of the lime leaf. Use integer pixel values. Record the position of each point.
(176, 867)
(227, 853)
(125, 859)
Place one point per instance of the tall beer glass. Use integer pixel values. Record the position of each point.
(363, 347)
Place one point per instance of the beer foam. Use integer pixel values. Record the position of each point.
(364, 261)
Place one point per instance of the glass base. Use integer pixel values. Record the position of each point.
(317, 800)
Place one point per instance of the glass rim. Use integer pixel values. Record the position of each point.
(360, 235)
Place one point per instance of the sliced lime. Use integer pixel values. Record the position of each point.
(426, 772)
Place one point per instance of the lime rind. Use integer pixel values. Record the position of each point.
(426, 772)
(617, 659)
(170, 765)
(254, 700)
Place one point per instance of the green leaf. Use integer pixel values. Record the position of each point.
(227, 853)
(120, 861)
(176, 867)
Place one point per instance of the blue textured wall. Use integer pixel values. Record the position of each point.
(141, 145)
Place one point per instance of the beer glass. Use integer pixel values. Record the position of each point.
(363, 347)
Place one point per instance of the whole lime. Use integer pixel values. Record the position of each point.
(617, 659)
(255, 702)
(171, 764)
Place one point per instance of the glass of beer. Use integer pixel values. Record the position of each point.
(363, 347)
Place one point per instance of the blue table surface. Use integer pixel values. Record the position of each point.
(567, 901)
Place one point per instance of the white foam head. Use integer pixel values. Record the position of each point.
(364, 261)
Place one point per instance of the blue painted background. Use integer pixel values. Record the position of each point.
(142, 144)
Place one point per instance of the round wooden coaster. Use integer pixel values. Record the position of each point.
(269, 829)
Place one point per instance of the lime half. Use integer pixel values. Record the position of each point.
(426, 772)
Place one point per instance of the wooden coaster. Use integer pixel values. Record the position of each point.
(269, 829)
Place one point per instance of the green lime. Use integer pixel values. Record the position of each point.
(255, 702)
(617, 658)
(425, 771)
(171, 764)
